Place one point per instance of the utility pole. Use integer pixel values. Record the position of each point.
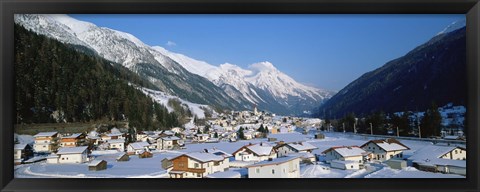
(371, 129)
(355, 128)
(419, 132)
(343, 124)
(398, 134)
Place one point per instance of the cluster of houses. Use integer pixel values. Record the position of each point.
(270, 159)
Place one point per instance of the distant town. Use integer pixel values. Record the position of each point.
(242, 144)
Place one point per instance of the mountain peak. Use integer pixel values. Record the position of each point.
(262, 66)
(453, 26)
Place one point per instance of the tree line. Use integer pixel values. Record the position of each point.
(380, 123)
(56, 82)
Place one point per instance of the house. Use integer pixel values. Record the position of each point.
(110, 136)
(123, 157)
(168, 143)
(439, 159)
(298, 147)
(456, 153)
(345, 153)
(201, 137)
(21, 152)
(137, 147)
(116, 144)
(69, 155)
(73, 140)
(145, 154)
(97, 165)
(383, 150)
(199, 164)
(283, 167)
(255, 152)
(348, 164)
(45, 142)
(141, 136)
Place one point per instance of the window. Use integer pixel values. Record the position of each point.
(456, 152)
(257, 170)
(359, 161)
(273, 171)
(460, 151)
(284, 171)
(180, 164)
(383, 156)
(199, 175)
(195, 165)
(391, 156)
(351, 166)
(369, 147)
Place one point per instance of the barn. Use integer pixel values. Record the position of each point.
(97, 165)
(123, 157)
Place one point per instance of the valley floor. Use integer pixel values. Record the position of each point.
(151, 167)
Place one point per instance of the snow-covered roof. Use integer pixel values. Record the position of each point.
(304, 146)
(225, 174)
(113, 134)
(451, 137)
(73, 136)
(170, 138)
(20, 146)
(45, 134)
(274, 161)
(205, 157)
(260, 149)
(71, 150)
(95, 162)
(219, 152)
(347, 151)
(388, 144)
(440, 161)
(116, 141)
(431, 152)
(139, 145)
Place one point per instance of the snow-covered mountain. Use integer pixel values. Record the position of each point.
(226, 85)
(454, 26)
(127, 50)
(259, 77)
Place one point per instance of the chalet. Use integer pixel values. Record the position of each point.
(198, 164)
(383, 150)
(439, 159)
(455, 153)
(21, 152)
(123, 157)
(168, 143)
(45, 142)
(289, 148)
(137, 147)
(97, 165)
(116, 144)
(110, 136)
(344, 153)
(283, 167)
(69, 155)
(255, 152)
(73, 140)
(141, 136)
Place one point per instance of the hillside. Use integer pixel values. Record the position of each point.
(432, 72)
(55, 82)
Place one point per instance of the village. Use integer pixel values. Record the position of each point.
(241, 144)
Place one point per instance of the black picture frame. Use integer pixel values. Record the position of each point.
(10, 7)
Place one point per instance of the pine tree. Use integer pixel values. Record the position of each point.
(430, 124)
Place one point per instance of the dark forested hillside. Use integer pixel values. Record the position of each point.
(433, 72)
(55, 82)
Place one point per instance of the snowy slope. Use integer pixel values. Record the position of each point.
(454, 26)
(260, 84)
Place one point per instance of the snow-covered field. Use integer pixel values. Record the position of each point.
(151, 167)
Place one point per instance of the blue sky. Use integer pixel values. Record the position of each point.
(325, 51)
